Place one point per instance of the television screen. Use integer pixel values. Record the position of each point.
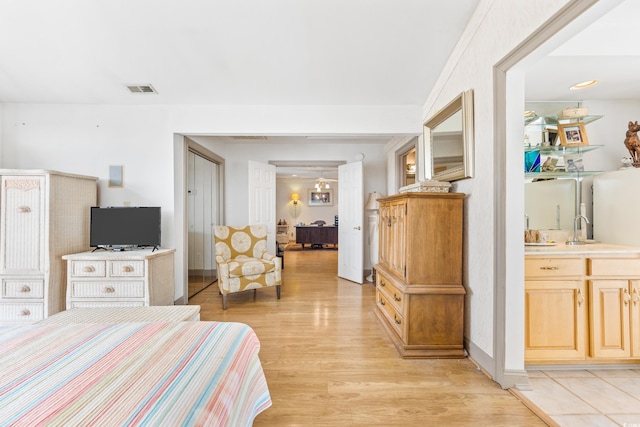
(119, 227)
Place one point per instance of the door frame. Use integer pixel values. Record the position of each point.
(182, 145)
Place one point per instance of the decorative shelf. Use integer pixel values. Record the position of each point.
(555, 120)
(559, 150)
(561, 174)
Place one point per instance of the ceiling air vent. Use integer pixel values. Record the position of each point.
(141, 89)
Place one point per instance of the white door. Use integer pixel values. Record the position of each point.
(262, 199)
(351, 217)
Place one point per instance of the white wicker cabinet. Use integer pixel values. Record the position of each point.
(43, 215)
(132, 278)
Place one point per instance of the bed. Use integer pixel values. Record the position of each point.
(111, 374)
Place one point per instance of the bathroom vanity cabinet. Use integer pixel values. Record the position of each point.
(582, 304)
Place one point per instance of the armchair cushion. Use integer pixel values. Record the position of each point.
(245, 266)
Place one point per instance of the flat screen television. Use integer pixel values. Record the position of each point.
(124, 227)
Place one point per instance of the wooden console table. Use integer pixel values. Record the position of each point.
(316, 235)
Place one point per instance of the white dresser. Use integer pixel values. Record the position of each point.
(43, 215)
(131, 278)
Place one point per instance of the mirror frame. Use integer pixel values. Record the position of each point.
(464, 103)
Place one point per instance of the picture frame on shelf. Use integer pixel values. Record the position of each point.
(532, 161)
(323, 197)
(573, 163)
(572, 135)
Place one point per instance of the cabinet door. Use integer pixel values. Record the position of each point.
(23, 222)
(397, 238)
(384, 231)
(555, 320)
(609, 318)
(635, 318)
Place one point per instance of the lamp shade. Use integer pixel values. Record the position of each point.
(372, 201)
(295, 197)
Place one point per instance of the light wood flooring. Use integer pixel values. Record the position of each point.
(328, 361)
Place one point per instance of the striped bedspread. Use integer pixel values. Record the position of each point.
(153, 374)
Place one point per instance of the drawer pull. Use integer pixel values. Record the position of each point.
(382, 283)
(395, 297)
(25, 312)
(24, 288)
(88, 269)
(395, 317)
(549, 268)
(24, 209)
(109, 290)
(382, 302)
(127, 269)
(626, 297)
(580, 298)
(635, 297)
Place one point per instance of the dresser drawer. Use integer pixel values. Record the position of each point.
(553, 267)
(106, 289)
(104, 303)
(126, 268)
(614, 267)
(21, 288)
(395, 318)
(21, 312)
(392, 292)
(88, 268)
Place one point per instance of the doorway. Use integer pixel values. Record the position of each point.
(407, 164)
(203, 212)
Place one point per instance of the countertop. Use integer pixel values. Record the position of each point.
(587, 249)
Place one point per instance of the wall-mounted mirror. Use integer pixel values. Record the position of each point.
(448, 137)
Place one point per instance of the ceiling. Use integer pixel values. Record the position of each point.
(607, 50)
(227, 52)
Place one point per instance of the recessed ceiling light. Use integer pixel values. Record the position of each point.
(584, 85)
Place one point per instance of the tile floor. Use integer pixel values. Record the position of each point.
(594, 397)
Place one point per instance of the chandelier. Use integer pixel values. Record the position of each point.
(320, 184)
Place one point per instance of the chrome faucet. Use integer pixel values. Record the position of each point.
(576, 221)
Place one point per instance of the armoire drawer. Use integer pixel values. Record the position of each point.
(21, 312)
(22, 288)
(395, 318)
(105, 289)
(391, 291)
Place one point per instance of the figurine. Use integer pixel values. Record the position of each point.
(633, 143)
(548, 165)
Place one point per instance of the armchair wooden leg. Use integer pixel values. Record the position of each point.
(278, 291)
(224, 301)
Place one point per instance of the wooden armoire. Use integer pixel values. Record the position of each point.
(419, 292)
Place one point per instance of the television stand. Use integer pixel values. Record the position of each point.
(120, 279)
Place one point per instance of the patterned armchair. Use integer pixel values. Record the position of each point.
(243, 261)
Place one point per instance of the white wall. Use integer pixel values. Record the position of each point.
(86, 139)
(494, 207)
(495, 30)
